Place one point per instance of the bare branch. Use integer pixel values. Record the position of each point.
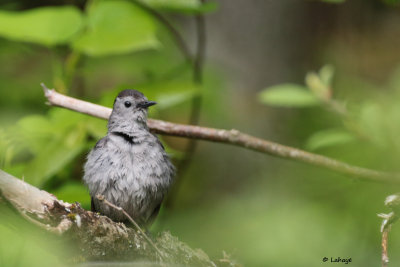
(21, 194)
(233, 137)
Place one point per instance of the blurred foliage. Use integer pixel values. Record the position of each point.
(116, 27)
(24, 245)
(334, 1)
(182, 6)
(370, 121)
(391, 2)
(47, 25)
(288, 95)
(330, 137)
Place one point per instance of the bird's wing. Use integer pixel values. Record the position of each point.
(153, 216)
(158, 141)
(95, 161)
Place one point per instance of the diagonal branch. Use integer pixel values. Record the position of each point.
(232, 137)
(177, 37)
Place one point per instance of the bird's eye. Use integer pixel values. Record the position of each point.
(128, 104)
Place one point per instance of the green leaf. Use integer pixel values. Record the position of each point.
(373, 121)
(116, 27)
(288, 95)
(185, 6)
(172, 93)
(315, 84)
(326, 75)
(392, 2)
(56, 155)
(328, 138)
(62, 119)
(46, 25)
(34, 131)
(334, 1)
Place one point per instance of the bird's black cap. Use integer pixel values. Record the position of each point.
(131, 92)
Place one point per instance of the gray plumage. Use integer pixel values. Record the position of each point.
(129, 166)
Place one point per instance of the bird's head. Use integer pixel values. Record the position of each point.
(130, 107)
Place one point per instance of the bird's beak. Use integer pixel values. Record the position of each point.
(146, 104)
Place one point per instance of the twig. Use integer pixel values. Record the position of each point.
(102, 198)
(385, 257)
(174, 32)
(196, 101)
(232, 137)
(393, 202)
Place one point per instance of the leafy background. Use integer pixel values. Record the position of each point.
(323, 76)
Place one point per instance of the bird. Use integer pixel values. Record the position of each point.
(129, 166)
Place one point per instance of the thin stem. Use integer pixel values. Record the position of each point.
(197, 100)
(180, 42)
(201, 49)
(102, 198)
(385, 257)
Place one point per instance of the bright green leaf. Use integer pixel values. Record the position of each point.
(288, 95)
(62, 119)
(185, 6)
(46, 25)
(56, 155)
(334, 1)
(116, 27)
(328, 138)
(33, 132)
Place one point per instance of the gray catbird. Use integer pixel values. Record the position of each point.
(129, 166)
